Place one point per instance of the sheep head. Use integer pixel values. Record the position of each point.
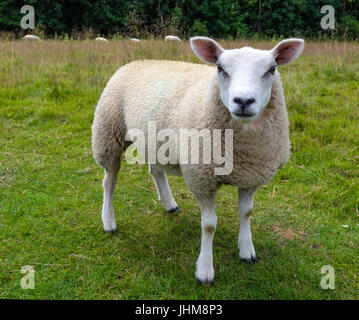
(246, 74)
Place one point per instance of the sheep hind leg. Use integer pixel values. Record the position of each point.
(108, 213)
(163, 189)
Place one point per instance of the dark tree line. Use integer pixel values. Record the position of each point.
(218, 18)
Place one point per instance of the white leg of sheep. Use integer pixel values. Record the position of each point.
(245, 244)
(163, 189)
(205, 271)
(108, 214)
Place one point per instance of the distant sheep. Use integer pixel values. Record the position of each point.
(172, 38)
(30, 37)
(135, 40)
(101, 39)
(242, 92)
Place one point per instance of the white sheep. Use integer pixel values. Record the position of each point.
(243, 93)
(135, 40)
(101, 39)
(30, 37)
(172, 38)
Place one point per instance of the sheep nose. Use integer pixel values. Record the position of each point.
(244, 103)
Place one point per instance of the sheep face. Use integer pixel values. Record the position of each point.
(245, 75)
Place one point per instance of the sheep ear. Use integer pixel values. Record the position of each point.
(206, 49)
(287, 50)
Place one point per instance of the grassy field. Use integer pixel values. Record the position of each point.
(51, 192)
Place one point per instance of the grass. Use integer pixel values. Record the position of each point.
(51, 193)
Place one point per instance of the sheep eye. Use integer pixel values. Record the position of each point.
(220, 69)
(270, 71)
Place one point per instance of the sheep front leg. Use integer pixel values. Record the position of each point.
(205, 271)
(245, 244)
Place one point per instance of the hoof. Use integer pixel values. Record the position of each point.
(251, 260)
(204, 283)
(111, 231)
(173, 210)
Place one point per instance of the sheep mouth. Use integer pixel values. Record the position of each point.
(243, 115)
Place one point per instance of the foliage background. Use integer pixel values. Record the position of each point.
(217, 18)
